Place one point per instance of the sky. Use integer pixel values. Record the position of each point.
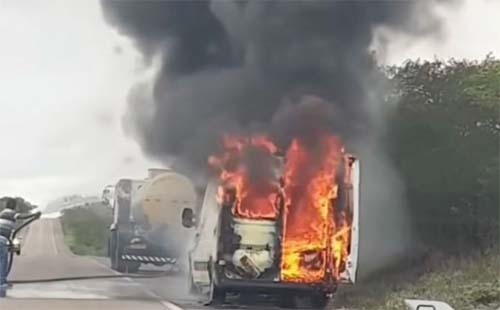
(65, 75)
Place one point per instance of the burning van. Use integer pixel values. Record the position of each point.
(286, 226)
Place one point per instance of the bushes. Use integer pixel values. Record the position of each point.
(86, 229)
(465, 283)
(443, 138)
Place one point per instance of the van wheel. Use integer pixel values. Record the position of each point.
(217, 295)
(319, 301)
(287, 301)
(296, 301)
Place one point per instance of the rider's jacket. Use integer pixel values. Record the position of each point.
(7, 222)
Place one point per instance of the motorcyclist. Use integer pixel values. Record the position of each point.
(8, 218)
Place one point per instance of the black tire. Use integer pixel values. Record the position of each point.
(112, 250)
(298, 301)
(115, 250)
(216, 295)
(121, 266)
(132, 267)
(319, 301)
(287, 301)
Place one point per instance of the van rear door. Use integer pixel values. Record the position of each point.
(352, 180)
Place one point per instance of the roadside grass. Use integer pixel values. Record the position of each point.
(464, 283)
(86, 229)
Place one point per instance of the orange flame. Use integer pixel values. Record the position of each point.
(316, 234)
(252, 200)
(311, 189)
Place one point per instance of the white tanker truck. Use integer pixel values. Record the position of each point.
(146, 227)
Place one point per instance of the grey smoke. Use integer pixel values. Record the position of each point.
(239, 65)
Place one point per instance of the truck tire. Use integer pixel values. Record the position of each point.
(112, 250)
(132, 267)
(115, 253)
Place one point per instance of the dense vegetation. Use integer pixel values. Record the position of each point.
(444, 140)
(86, 229)
(443, 136)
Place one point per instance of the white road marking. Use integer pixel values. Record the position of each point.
(53, 237)
(165, 303)
(170, 305)
(52, 292)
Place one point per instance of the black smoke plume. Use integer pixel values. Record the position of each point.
(231, 64)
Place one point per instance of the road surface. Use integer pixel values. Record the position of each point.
(44, 255)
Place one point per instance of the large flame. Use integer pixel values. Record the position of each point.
(255, 195)
(311, 190)
(314, 244)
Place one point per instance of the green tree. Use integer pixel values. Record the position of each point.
(444, 139)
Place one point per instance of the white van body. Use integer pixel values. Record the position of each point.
(204, 249)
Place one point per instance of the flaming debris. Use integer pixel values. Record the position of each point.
(302, 194)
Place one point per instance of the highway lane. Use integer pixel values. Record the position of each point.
(45, 255)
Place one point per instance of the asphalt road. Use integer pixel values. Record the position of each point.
(44, 255)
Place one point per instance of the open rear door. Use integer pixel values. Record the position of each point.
(352, 187)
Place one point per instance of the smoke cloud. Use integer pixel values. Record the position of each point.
(232, 66)
(232, 63)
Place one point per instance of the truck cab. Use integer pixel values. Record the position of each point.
(231, 254)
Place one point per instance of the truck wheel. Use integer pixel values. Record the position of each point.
(132, 267)
(112, 250)
(120, 264)
(116, 257)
